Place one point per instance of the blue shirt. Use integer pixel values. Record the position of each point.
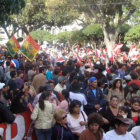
(49, 75)
(94, 91)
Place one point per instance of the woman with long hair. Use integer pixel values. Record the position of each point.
(43, 116)
(117, 90)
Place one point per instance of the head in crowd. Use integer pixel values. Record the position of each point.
(65, 95)
(135, 104)
(117, 84)
(74, 107)
(93, 82)
(44, 96)
(133, 75)
(42, 70)
(13, 74)
(121, 125)
(123, 111)
(114, 101)
(20, 73)
(133, 88)
(62, 80)
(60, 116)
(95, 122)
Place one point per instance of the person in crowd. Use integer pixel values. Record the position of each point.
(61, 84)
(31, 73)
(109, 112)
(61, 131)
(94, 96)
(120, 130)
(6, 115)
(117, 90)
(12, 84)
(55, 76)
(77, 120)
(64, 104)
(39, 79)
(7, 75)
(135, 79)
(1, 72)
(136, 132)
(121, 71)
(134, 92)
(18, 80)
(93, 131)
(123, 111)
(49, 75)
(135, 110)
(75, 94)
(138, 74)
(43, 117)
(58, 95)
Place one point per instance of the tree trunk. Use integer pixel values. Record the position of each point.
(8, 35)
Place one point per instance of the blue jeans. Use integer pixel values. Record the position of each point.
(43, 134)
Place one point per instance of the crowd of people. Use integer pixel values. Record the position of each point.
(72, 100)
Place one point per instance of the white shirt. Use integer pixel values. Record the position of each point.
(59, 88)
(80, 97)
(136, 131)
(112, 135)
(74, 124)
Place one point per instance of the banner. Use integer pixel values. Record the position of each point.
(30, 48)
(19, 129)
(13, 46)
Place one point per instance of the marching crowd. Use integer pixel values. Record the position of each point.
(72, 100)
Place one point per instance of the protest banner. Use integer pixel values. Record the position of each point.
(30, 48)
(19, 129)
(13, 46)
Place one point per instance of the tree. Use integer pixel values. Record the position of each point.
(133, 35)
(8, 8)
(42, 35)
(111, 14)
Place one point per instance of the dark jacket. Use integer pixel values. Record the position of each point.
(61, 133)
(5, 114)
(92, 100)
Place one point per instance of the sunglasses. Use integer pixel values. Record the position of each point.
(64, 117)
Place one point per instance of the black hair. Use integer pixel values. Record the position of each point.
(124, 109)
(65, 93)
(75, 86)
(138, 71)
(134, 87)
(41, 69)
(133, 75)
(12, 74)
(112, 70)
(95, 118)
(56, 71)
(135, 100)
(73, 104)
(12, 67)
(113, 96)
(7, 63)
(41, 89)
(43, 97)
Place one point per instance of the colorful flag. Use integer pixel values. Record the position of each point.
(117, 48)
(13, 46)
(30, 48)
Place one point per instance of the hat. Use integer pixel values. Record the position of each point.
(48, 87)
(123, 120)
(61, 78)
(2, 85)
(92, 79)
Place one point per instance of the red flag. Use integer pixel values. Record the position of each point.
(79, 58)
(124, 56)
(117, 48)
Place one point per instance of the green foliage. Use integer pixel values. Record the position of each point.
(93, 29)
(9, 7)
(133, 35)
(124, 28)
(42, 35)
